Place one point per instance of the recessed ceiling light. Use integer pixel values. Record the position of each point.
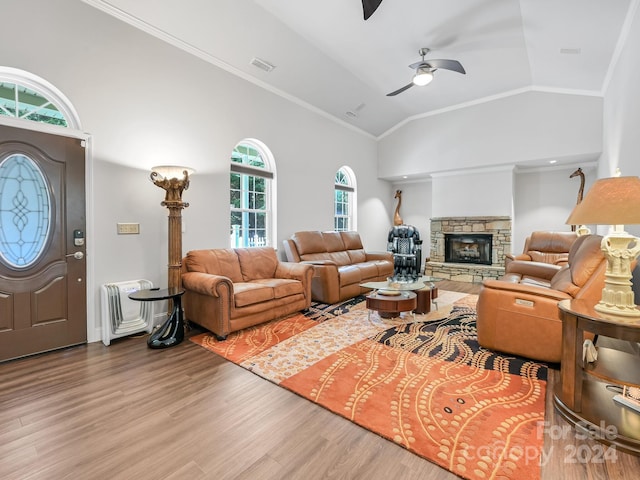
(553, 161)
(571, 51)
(405, 176)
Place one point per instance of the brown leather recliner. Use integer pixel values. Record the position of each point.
(545, 247)
(519, 314)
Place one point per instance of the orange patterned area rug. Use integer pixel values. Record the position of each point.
(422, 382)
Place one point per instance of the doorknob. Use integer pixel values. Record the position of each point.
(76, 255)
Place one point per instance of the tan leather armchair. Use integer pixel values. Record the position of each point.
(519, 314)
(545, 247)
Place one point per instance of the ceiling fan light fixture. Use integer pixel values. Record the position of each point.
(423, 77)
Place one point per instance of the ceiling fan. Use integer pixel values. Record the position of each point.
(370, 6)
(424, 71)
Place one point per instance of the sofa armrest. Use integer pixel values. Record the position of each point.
(522, 256)
(297, 271)
(514, 289)
(510, 257)
(207, 284)
(325, 281)
(379, 256)
(520, 320)
(208, 301)
(320, 262)
(294, 271)
(532, 269)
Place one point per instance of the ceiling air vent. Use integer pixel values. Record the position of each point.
(262, 65)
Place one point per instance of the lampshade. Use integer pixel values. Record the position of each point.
(614, 201)
(172, 171)
(422, 77)
(610, 201)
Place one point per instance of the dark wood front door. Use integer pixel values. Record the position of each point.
(42, 244)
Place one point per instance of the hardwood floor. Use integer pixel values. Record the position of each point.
(128, 412)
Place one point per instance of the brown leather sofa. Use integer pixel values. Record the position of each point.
(545, 247)
(230, 289)
(340, 263)
(519, 314)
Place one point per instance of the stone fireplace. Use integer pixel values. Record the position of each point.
(468, 249)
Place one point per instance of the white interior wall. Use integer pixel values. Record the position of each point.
(622, 120)
(474, 193)
(416, 208)
(521, 128)
(147, 103)
(544, 199)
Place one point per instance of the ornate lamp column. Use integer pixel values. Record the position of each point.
(174, 180)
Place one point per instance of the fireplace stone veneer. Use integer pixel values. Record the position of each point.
(498, 227)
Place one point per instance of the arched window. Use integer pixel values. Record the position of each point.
(252, 195)
(344, 200)
(25, 96)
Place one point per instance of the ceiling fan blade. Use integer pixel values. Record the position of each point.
(370, 6)
(418, 64)
(454, 65)
(400, 90)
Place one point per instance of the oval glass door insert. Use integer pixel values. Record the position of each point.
(25, 211)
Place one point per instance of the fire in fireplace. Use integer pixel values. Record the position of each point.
(468, 248)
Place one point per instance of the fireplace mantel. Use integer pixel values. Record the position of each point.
(498, 227)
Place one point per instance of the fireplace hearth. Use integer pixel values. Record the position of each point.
(467, 248)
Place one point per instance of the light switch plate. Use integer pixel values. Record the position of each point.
(128, 228)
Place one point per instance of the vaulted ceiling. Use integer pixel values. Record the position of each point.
(329, 59)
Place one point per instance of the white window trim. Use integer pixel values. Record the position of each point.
(269, 172)
(350, 187)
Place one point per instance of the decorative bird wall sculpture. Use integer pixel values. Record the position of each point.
(397, 219)
(578, 173)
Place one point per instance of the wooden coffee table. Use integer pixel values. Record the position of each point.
(391, 306)
(424, 287)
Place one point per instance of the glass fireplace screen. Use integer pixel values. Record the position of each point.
(468, 248)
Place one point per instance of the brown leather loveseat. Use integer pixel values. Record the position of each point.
(519, 314)
(339, 261)
(545, 247)
(230, 289)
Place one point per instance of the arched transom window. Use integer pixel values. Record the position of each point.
(25, 96)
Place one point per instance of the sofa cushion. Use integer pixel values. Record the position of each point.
(215, 262)
(349, 275)
(248, 293)
(368, 270)
(256, 263)
(340, 258)
(282, 287)
(357, 256)
(585, 258)
(333, 242)
(352, 241)
(309, 242)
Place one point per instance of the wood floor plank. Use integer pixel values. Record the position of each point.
(129, 412)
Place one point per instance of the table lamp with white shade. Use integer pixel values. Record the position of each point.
(614, 201)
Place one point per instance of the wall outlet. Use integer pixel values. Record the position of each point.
(128, 228)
